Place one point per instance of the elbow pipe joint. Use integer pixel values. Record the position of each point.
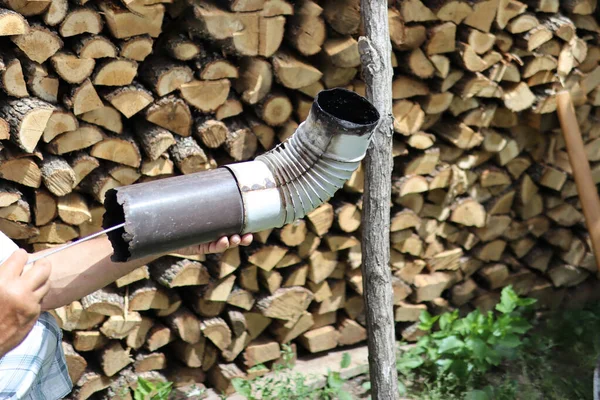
(275, 189)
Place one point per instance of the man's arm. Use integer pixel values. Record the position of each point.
(85, 268)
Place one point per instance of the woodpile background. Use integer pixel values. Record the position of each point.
(102, 93)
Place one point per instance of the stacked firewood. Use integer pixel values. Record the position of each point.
(107, 93)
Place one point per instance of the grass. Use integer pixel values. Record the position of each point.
(285, 384)
(555, 362)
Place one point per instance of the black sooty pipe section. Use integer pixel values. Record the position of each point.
(165, 215)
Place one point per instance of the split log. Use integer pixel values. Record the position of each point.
(255, 80)
(137, 274)
(212, 66)
(305, 29)
(129, 100)
(121, 149)
(39, 43)
(260, 351)
(27, 119)
(115, 72)
(12, 23)
(106, 117)
(121, 326)
(164, 76)
(172, 272)
(205, 96)
(292, 72)
(89, 340)
(71, 68)
(56, 12)
(136, 48)
(123, 24)
(275, 108)
(60, 121)
(154, 140)
(12, 79)
(181, 47)
(145, 295)
(171, 113)
(94, 47)
(240, 142)
(81, 20)
(320, 339)
(286, 303)
(57, 175)
(342, 15)
(76, 364)
(83, 98)
(40, 82)
(188, 156)
(73, 209)
(113, 358)
(81, 138)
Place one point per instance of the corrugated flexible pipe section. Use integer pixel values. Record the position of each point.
(275, 189)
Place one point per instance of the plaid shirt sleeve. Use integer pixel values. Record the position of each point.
(36, 369)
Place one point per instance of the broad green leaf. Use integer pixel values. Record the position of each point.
(520, 325)
(402, 388)
(425, 317)
(345, 360)
(144, 386)
(451, 344)
(493, 357)
(477, 347)
(334, 380)
(409, 362)
(510, 341)
(427, 321)
(444, 364)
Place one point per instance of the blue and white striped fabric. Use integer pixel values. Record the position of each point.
(36, 369)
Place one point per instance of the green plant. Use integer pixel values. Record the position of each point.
(197, 392)
(335, 382)
(284, 384)
(470, 346)
(281, 384)
(152, 391)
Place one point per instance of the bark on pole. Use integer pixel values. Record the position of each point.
(375, 50)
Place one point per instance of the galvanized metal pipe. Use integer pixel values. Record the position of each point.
(274, 189)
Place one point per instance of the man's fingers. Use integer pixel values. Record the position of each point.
(246, 239)
(37, 275)
(13, 266)
(219, 246)
(235, 240)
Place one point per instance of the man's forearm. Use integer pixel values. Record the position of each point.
(83, 269)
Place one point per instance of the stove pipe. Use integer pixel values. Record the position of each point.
(275, 189)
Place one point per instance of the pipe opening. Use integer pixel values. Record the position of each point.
(347, 105)
(113, 216)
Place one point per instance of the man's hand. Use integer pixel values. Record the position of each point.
(218, 246)
(21, 293)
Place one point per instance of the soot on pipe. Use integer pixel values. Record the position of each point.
(274, 189)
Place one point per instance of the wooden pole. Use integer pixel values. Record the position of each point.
(375, 50)
(586, 188)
